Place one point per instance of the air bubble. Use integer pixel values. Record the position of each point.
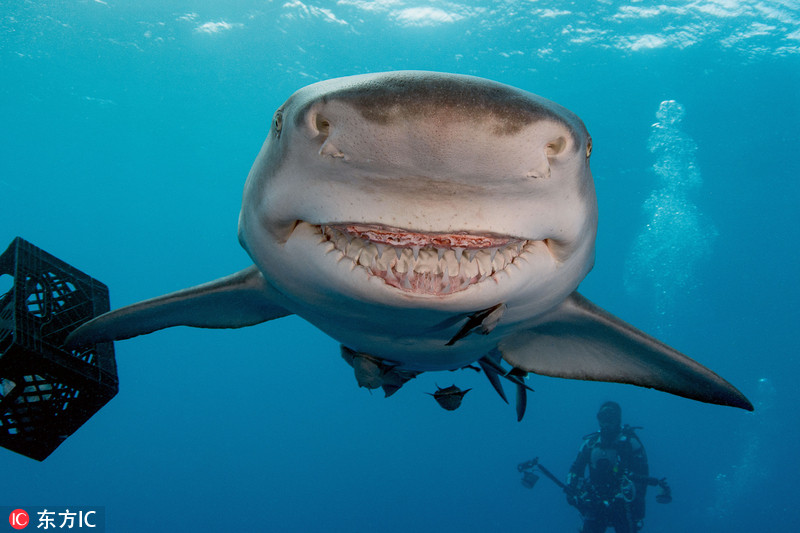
(676, 237)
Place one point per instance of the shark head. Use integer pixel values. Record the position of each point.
(422, 190)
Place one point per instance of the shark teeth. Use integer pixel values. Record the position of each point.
(437, 264)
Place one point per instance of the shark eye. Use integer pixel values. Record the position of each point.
(277, 122)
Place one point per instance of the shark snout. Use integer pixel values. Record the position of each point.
(446, 144)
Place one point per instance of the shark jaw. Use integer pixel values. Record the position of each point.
(434, 264)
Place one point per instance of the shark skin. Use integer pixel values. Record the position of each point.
(427, 221)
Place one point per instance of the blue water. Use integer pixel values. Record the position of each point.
(127, 129)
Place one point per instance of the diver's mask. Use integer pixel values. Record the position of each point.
(610, 419)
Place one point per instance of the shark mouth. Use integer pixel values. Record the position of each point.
(426, 263)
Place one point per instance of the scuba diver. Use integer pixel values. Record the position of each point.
(613, 495)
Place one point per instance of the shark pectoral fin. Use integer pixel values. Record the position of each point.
(235, 301)
(579, 340)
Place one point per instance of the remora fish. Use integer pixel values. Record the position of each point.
(449, 398)
(402, 212)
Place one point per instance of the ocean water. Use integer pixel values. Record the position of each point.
(126, 132)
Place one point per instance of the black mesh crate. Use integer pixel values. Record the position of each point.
(46, 391)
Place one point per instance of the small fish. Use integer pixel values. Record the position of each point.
(449, 397)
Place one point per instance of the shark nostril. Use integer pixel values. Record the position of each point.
(555, 147)
(323, 125)
(317, 125)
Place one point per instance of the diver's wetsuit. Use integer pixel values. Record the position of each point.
(613, 495)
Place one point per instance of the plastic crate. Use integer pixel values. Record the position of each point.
(46, 391)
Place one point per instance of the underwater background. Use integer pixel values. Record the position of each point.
(127, 130)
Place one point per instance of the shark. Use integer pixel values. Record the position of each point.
(427, 222)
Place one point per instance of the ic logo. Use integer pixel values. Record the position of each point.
(18, 519)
